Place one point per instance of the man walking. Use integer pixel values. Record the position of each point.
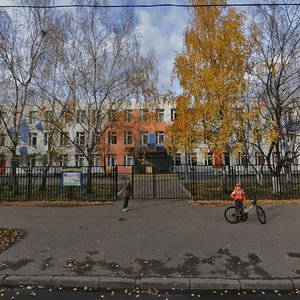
(127, 194)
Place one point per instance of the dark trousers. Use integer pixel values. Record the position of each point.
(126, 200)
(239, 205)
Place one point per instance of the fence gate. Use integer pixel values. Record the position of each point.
(154, 184)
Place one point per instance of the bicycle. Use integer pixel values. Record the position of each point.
(233, 214)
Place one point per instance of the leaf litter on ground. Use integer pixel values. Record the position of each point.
(9, 237)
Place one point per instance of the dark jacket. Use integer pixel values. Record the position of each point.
(128, 189)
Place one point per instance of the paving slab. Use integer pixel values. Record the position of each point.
(266, 284)
(214, 284)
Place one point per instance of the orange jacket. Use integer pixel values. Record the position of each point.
(238, 194)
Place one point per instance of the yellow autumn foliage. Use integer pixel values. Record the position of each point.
(210, 70)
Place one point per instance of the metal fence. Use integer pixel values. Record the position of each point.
(42, 183)
(216, 182)
(213, 182)
(178, 182)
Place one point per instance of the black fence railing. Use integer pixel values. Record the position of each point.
(216, 182)
(178, 182)
(56, 183)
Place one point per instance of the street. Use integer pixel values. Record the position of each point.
(153, 239)
(27, 293)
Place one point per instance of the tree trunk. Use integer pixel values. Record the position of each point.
(44, 177)
(14, 182)
(259, 178)
(89, 183)
(276, 184)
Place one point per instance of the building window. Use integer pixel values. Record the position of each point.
(80, 138)
(276, 157)
(32, 161)
(259, 158)
(144, 137)
(111, 160)
(63, 160)
(112, 116)
(127, 137)
(160, 136)
(242, 159)
(64, 138)
(112, 138)
(128, 115)
(160, 115)
(46, 139)
(81, 116)
(192, 159)
(97, 137)
(79, 160)
(143, 115)
(128, 160)
(32, 139)
(33, 116)
(68, 117)
(48, 116)
(177, 159)
(209, 159)
(2, 139)
(173, 114)
(96, 160)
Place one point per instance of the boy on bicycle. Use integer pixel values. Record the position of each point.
(238, 195)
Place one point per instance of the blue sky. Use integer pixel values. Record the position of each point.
(162, 29)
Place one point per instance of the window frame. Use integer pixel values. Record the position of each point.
(128, 115)
(160, 135)
(144, 134)
(128, 138)
(33, 139)
(111, 160)
(160, 115)
(112, 138)
(80, 138)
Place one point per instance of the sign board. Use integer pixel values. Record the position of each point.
(71, 177)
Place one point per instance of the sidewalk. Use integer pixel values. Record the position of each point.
(157, 244)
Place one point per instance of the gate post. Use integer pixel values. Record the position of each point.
(116, 183)
(132, 180)
(29, 182)
(153, 182)
(225, 178)
(193, 182)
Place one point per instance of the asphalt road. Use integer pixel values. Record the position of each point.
(71, 294)
(154, 238)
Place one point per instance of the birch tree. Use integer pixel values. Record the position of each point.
(24, 38)
(275, 88)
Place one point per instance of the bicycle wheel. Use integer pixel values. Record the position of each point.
(261, 214)
(232, 214)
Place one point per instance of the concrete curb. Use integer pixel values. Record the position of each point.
(214, 284)
(160, 283)
(296, 283)
(266, 284)
(165, 283)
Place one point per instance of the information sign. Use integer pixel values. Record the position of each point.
(71, 177)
